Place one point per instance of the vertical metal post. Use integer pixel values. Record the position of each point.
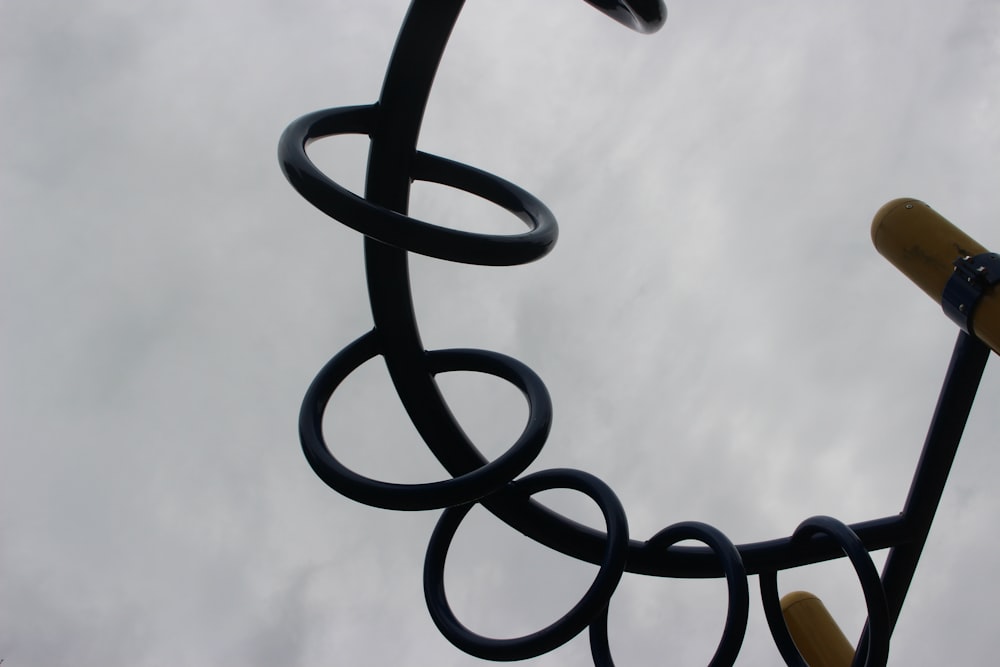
(950, 416)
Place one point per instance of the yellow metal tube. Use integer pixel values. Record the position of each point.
(817, 636)
(924, 245)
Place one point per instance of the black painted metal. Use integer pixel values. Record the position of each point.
(736, 579)
(393, 125)
(950, 415)
(972, 276)
(576, 619)
(872, 651)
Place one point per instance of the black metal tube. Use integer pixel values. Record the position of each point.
(391, 167)
(393, 124)
(950, 416)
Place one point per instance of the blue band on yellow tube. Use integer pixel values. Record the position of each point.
(972, 276)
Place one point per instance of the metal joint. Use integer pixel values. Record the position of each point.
(972, 277)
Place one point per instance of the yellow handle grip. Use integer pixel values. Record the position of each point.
(924, 246)
(817, 636)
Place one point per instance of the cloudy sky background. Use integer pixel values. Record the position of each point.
(721, 341)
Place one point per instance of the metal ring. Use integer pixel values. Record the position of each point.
(879, 626)
(735, 628)
(576, 619)
(434, 495)
(402, 231)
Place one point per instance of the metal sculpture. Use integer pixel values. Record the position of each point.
(393, 124)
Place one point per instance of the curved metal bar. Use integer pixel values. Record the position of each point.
(576, 619)
(402, 231)
(874, 652)
(641, 15)
(435, 495)
(393, 125)
(771, 602)
(736, 579)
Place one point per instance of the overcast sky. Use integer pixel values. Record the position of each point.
(720, 339)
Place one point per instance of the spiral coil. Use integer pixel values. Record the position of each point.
(392, 124)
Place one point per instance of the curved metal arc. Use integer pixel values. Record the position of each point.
(405, 90)
(399, 230)
(738, 610)
(584, 543)
(871, 653)
(393, 125)
(572, 622)
(407, 85)
(644, 16)
(462, 489)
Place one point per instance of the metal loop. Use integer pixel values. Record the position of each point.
(402, 231)
(879, 626)
(576, 619)
(734, 630)
(434, 495)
